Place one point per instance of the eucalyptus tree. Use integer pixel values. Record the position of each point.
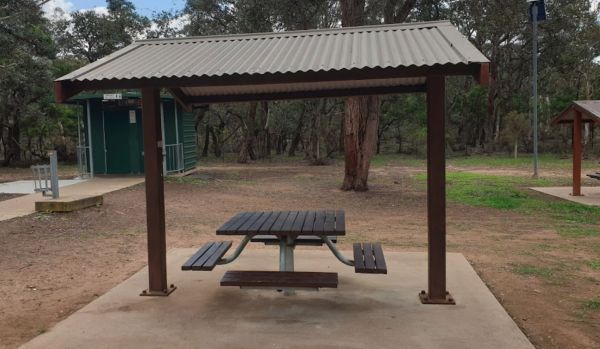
(25, 77)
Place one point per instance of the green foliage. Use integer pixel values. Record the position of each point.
(91, 35)
(572, 220)
(595, 265)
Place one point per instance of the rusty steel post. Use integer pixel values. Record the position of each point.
(436, 193)
(155, 200)
(577, 154)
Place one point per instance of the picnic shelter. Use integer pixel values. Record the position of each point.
(340, 62)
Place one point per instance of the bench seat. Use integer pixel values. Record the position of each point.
(282, 279)
(303, 240)
(368, 258)
(207, 256)
(595, 175)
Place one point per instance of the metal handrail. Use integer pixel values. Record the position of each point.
(174, 157)
(82, 161)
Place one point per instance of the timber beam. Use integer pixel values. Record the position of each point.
(436, 193)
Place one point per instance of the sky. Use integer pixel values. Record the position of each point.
(146, 7)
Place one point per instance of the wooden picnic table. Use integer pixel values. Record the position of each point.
(286, 229)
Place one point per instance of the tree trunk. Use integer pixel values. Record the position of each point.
(217, 141)
(516, 150)
(297, 133)
(361, 116)
(206, 141)
(246, 149)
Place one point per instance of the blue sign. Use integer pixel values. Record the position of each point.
(541, 10)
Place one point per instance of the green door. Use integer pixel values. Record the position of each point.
(122, 145)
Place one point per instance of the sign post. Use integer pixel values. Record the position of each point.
(537, 12)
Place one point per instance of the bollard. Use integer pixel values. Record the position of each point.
(53, 173)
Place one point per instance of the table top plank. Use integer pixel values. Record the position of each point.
(234, 227)
(232, 224)
(319, 225)
(340, 221)
(329, 224)
(309, 222)
(249, 221)
(281, 223)
(266, 227)
(227, 224)
(299, 222)
(289, 222)
(260, 222)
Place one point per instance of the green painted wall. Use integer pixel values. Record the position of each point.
(188, 134)
(123, 151)
(98, 146)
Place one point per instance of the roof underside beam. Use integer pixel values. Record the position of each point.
(64, 89)
(273, 96)
(181, 98)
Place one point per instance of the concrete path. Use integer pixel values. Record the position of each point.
(27, 187)
(591, 195)
(25, 205)
(365, 311)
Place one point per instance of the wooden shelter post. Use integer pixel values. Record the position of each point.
(155, 200)
(577, 154)
(436, 193)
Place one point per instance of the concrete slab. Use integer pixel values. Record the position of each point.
(365, 311)
(25, 205)
(591, 195)
(27, 187)
(68, 203)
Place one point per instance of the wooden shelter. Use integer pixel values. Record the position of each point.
(577, 114)
(385, 59)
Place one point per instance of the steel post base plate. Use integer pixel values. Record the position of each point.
(448, 300)
(153, 293)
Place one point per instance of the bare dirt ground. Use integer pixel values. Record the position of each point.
(53, 265)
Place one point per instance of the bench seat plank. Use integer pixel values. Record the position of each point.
(368, 258)
(207, 256)
(283, 279)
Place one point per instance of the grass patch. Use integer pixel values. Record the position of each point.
(532, 270)
(595, 265)
(577, 231)
(503, 192)
(592, 305)
(510, 193)
(186, 180)
(523, 162)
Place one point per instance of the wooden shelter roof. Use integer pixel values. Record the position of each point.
(590, 112)
(285, 65)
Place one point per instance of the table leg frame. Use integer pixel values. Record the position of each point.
(336, 252)
(237, 251)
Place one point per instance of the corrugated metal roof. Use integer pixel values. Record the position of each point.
(384, 46)
(589, 109)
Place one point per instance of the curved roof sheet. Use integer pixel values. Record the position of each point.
(384, 46)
